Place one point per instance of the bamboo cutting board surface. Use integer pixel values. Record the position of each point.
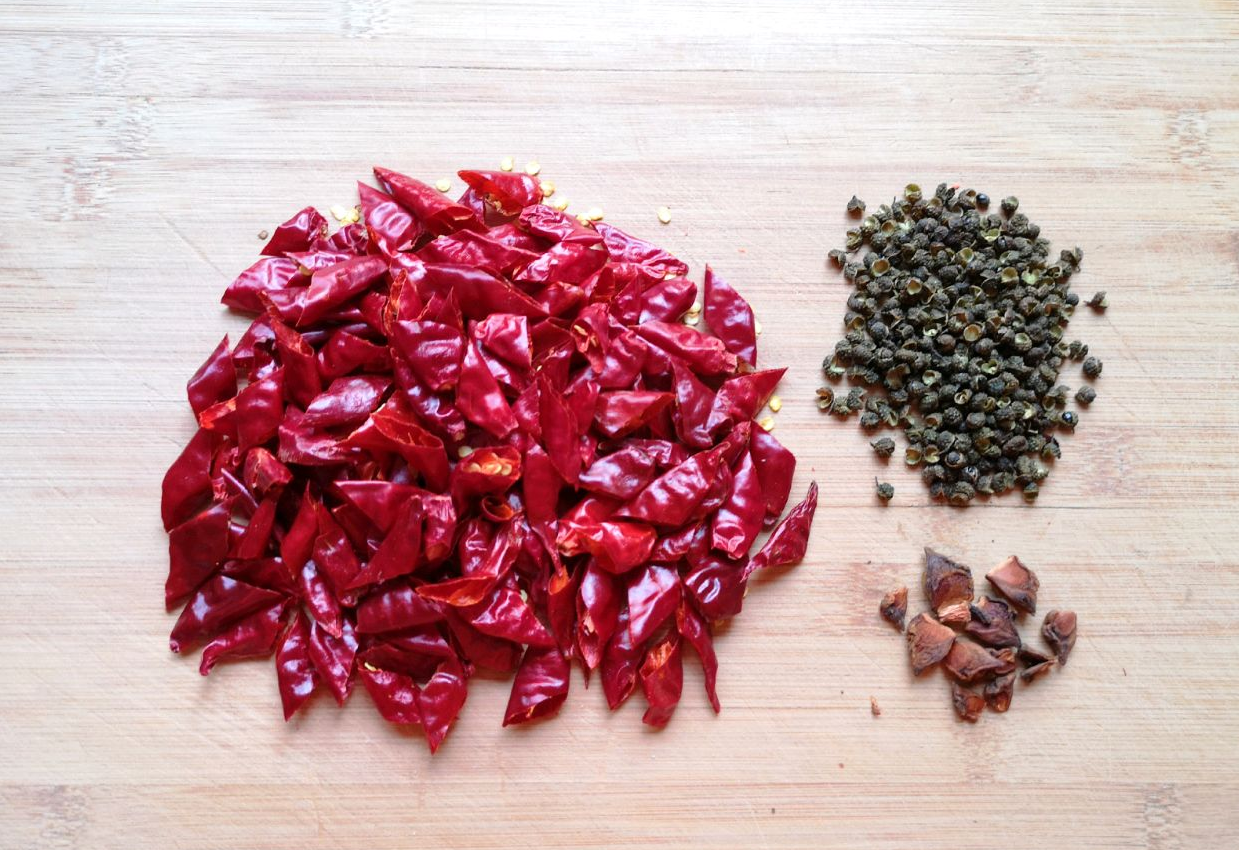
(144, 146)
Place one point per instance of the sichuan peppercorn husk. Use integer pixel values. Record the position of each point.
(954, 334)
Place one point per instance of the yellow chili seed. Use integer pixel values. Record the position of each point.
(338, 212)
(594, 213)
(443, 184)
(560, 203)
(776, 403)
(757, 327)
(507, 164)
(547, 187)
(692, 318)
(664, 215)
(464, 451)
(532, 168)
(766, 423)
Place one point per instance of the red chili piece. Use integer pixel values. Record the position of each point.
(473, 433)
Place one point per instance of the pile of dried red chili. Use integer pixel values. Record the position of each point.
(474, 434)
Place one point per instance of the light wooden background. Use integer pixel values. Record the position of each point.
(143, 146)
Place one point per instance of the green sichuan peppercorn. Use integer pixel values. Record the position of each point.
(885, 491)
(955, 329)
(856, 206)
(1086, 395)
(883, 447)
(1092, 367)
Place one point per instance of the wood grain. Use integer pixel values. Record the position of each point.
(144, 145)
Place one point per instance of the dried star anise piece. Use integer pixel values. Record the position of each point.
(998, 692)
(894, 607)
(993, 623)
(1017, 583)
(1030, 674)
(1059, 630)
(1032, 657)
(949, 588)
(928, 642)
(968, 703)
(968, 661)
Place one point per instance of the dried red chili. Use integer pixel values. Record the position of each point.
(472, 433)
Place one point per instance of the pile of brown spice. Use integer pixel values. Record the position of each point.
(975, 640)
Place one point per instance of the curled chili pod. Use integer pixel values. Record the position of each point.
(730, 318)
(696, 631)
(662, 680)
(429, 206)
(296, 234)
(790, 538)
(390, 227)
(540, 687)
(440, 701)
(251, 637)
(215, 380)
(295, 670)
(467, 434)
(510, 191)
(776, 467)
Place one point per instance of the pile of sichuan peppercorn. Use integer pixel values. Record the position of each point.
(958, 323)
(474, 434)
(975, 640)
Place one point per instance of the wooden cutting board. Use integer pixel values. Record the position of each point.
(143, 147)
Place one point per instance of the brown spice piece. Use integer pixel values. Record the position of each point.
(968, 661)
(949, 588)
(993, 623)
(1036, 671)
(1059, 629)
(928, 642)
(1017, 583)
(1006, 656)
(894, 607)
(874, 708)
(968, 703)
(1032, 657)
(998, 692)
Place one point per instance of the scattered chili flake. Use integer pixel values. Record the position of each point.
(874, 708)
(894, 607)
(466, 434)
(1059, 629)
(949, 588)
(1017, 583)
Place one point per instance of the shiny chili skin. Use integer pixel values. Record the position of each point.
(662, 680)
(730, 318)
(540, 687)
(295, 671)
(790, 539)
(474, 432)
